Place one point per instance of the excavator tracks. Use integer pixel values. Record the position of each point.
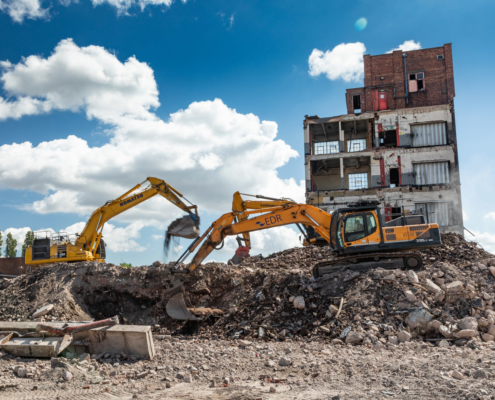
(369, 261)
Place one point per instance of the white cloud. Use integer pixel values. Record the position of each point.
(490, 215)
(18, 234)
(408, 45)
(74, 78)
(18, 10)
(231, 21)
(485, 239)
(344, 62)
(263, 242)
(202, 150)
(116, 239)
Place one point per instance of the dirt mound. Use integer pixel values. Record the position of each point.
(277, 297)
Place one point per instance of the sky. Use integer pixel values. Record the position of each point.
(210, 96)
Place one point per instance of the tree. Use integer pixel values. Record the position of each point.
(125, 265)
(28, 241)
(10, 246)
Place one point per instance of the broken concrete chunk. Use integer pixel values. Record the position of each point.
(67, 375)
(410, 296)
(354, 337)
(454, 287)
(468, 323)
(465, 334)
(443, 343)
(457, 375)
(244, 343)
(434, 325)
(487, 337)
(284, 362)
(43, 311)
(432, 287)
(445, 331)
(299, 303)
(412, 277)
(492, 270)
(419, 319)
(404, 336)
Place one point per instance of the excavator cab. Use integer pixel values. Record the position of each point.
(359, 228)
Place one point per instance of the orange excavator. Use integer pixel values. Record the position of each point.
(357, 236)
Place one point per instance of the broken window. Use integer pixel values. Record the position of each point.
(358, 181)
(327, 147)
(356, 145)
(394, 177)
(417, 82)
(356, 102)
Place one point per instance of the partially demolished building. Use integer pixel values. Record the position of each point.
(396, 144)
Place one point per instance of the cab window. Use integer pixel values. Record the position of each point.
(354, 228)
(370, 223)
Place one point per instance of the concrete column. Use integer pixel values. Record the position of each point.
(341, 138)
(342, 184)
(307, 146)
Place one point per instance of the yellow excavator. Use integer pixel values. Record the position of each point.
(49, 247)
(240, 205)
(356, 234)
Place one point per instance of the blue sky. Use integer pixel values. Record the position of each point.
(253, 57)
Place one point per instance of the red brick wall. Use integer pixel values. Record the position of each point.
(13, 266)
(439, 78)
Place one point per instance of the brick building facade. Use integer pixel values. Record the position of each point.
(397, 143)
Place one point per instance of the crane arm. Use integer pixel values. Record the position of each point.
(89, 238)
(271, 218)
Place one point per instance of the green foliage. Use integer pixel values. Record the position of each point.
(28, 241)
(10, 246)
(125, 265)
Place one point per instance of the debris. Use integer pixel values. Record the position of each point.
(43, 311)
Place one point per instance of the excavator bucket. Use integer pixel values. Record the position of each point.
(177, 309)
(186, 227)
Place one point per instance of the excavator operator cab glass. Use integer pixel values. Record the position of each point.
(354, 228)
(370, 223)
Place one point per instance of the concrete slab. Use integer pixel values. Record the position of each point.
(36, 347)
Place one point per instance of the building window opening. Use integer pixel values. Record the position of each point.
(356, 103)
(394, 177)
(358, 181)
(327, 147)
(389, 138)
(356, 145)
(416, 82)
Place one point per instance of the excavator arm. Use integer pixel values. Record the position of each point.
(241, 206)
(90, 237)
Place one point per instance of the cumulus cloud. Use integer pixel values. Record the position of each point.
(344, 61)
(490, 215)
(18, 234)
(116, 239)
(486, 240)
(18, 10)
(203, 149)
(263, 242)
(74, 78)
(408, 45)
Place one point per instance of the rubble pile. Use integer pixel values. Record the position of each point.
(450, 300)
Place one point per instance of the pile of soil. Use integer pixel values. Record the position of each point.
(277, 298)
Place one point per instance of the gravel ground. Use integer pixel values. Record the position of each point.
(187, 368)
